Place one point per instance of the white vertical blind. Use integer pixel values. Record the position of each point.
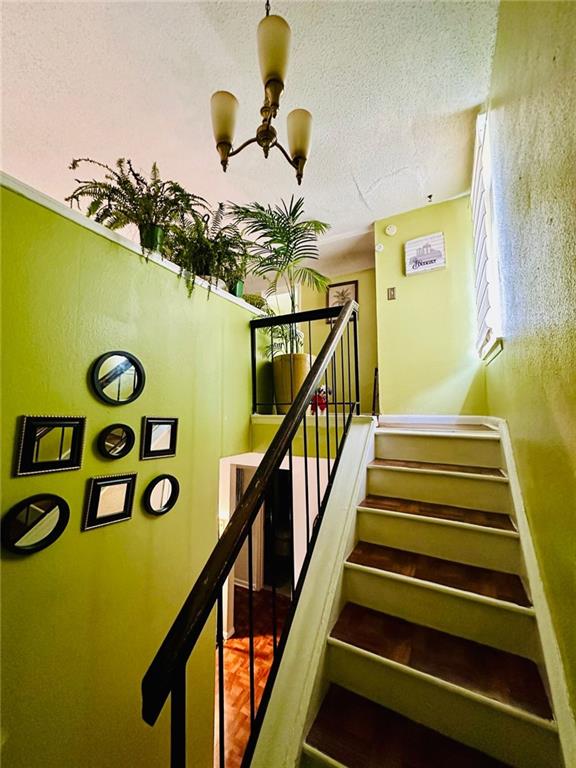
(487, 282)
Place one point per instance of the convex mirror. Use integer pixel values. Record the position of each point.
(116, 441)
(34, 523)
(117, 377)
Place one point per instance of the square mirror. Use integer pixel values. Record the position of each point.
(158, 437)
(50, 444)
(109, 500)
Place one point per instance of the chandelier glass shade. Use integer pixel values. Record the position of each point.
(273, 54)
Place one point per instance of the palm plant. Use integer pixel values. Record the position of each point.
(282, 244)
(209, 247)
(125, 197)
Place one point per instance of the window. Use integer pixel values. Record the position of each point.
(487, 274)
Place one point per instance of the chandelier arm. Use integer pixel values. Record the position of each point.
(286, 155)
(242, 146)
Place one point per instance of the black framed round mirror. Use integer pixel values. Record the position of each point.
(117, 377)
(116, 441)
(161, 494)
(34, 523)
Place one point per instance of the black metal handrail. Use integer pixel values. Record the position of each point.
(166, 674)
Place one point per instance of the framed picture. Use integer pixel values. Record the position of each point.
(158, 437)
(338, 294)
(109, 500)
(50, 444)
(425, 254)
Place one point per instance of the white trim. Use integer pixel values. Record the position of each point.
(443, 588)
(442, 521)
(35, 196)
(472, 435)
(396, 418)
(521, 714)
(552, 658)
(443, 472)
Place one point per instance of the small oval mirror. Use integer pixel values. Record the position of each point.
(161, 494)
(116, 441)
(34, 523)
(118, 377)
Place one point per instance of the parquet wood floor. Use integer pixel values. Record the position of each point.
(237, 668)
(441, 511)
(497, 674)
(482, 581)
(361, 734)
(460, 468)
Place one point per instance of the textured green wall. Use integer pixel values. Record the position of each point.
(367, 352)
(532, 383)
(427, 361)
(82, 619)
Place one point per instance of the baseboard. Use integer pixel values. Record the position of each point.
(551, 652)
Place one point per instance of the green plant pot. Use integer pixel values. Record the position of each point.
(237, 288)
(151, 237)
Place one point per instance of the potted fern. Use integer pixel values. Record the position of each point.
(125, 197)
(282, 244)
(209, 247)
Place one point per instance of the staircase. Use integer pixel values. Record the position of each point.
(435, 659)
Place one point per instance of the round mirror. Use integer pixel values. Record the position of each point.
(34, 523)
(161, 494)
(118, 377)
(116, 441)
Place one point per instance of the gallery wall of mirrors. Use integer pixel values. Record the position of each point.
(49, 444)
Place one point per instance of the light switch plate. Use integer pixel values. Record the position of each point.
(391, 294)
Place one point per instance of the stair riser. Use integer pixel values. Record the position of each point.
(499, 733)
(483, 622)
(460, 491)
(480, 547)
(472, 452)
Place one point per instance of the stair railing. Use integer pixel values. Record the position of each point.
(318, 419)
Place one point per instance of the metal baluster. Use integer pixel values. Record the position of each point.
(307, 502)
(327, 425)
(178, 721)
(221, 703)
(356, 372)
(343, 392)
(291, 519)
(335, 384)
(349, 370)
(251, 629)
(253, 365)
(273, 536)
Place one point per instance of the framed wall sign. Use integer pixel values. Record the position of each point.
(337, 294)
(50, 444)
(425, 254)
(158, 437)
(109, 500)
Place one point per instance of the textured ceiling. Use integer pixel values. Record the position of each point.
(393, 88)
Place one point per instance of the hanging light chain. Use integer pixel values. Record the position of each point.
(267, 7)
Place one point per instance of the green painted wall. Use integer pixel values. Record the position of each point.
(532, 383)
(82, 620)
(367, 341)
(426, 355)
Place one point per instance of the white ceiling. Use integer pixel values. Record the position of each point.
(393, 88)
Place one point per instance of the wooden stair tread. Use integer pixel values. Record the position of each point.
(438, 427)
(361, 734)
(470, 578)
(496, 674)
(440, 511)
(459, 468)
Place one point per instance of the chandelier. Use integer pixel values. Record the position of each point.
(273, 49)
